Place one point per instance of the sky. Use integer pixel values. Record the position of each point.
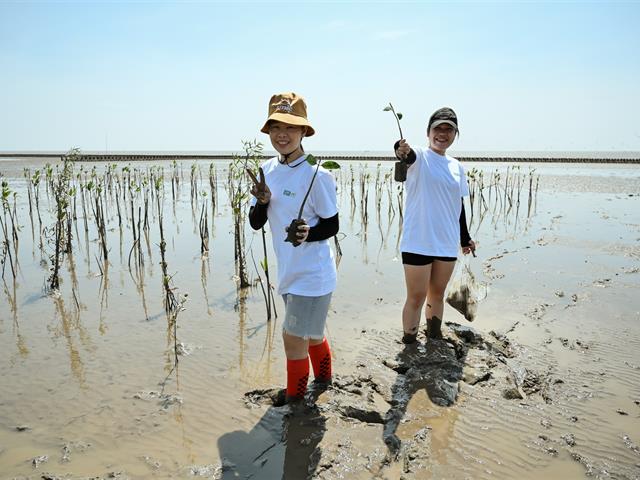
(197, 76)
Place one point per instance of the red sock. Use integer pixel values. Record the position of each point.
(297, 377)
(321, 360)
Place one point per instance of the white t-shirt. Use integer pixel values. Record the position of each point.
(434, 187)
(308, 269)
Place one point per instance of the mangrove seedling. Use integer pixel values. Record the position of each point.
(400, 168)
(397, 115)
(296, 223)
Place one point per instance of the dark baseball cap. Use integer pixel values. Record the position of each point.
(443, 115)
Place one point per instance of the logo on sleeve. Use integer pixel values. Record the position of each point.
(289, 193)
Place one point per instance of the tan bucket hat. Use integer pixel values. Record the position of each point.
(288, 108)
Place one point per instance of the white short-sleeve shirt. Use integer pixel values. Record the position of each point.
(308, 269)
(434, 187)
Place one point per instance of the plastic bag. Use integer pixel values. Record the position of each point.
(463, 292)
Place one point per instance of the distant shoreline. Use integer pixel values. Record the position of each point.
(529, 157)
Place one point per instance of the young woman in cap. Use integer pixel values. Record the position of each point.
(306, 266)
(434, 226)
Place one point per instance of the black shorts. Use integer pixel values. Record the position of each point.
(418, 260)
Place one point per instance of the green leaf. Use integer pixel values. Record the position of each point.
(386, 109)
(331, 165)
(399, 115)
(311, 159)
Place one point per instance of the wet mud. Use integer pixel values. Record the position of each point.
(544, 384)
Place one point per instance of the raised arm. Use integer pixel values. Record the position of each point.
(260, 190)
(404, 152)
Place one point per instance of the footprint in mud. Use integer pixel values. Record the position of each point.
(436, 367)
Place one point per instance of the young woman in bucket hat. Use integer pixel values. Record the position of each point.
(306, 266)
(434, 226)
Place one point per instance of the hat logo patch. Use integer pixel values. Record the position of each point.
(284, 106)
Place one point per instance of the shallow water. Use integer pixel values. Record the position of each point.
(98, 379)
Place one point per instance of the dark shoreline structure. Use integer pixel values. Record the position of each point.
(535, 157)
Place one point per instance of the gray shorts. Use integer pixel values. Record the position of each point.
(305, 317)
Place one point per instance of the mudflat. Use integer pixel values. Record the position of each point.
(545, 383)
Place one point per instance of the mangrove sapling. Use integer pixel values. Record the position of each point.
(253, 154)
(69, 222)
(364, 202)
(140, 253)
(48, 175)
(60, 188)
(27, 176)
(136, 250)
(400, 167)
(35, 182)
(194, 189)
(472, 183)
(203, 226)
(267, 292)
(238, 195)
(213, 182)
(175, 179)
(170, 302)
(9, 232)
(529, 199)
(352, 195)
(99, 216)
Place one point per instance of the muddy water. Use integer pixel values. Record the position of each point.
(94, 390)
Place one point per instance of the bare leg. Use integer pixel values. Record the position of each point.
(417, 280)
(295, 347)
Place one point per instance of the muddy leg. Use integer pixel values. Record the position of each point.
(440, 275)
(416, 280)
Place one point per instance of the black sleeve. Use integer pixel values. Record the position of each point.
(410, 158)
(464, 232)
(258, 216)
(325, 228)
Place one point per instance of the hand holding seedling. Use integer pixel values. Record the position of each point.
(403, 149)
(297, 232)
(400, 168)
(260, 190)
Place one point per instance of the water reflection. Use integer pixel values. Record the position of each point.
(10, 292)
(69, 323)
